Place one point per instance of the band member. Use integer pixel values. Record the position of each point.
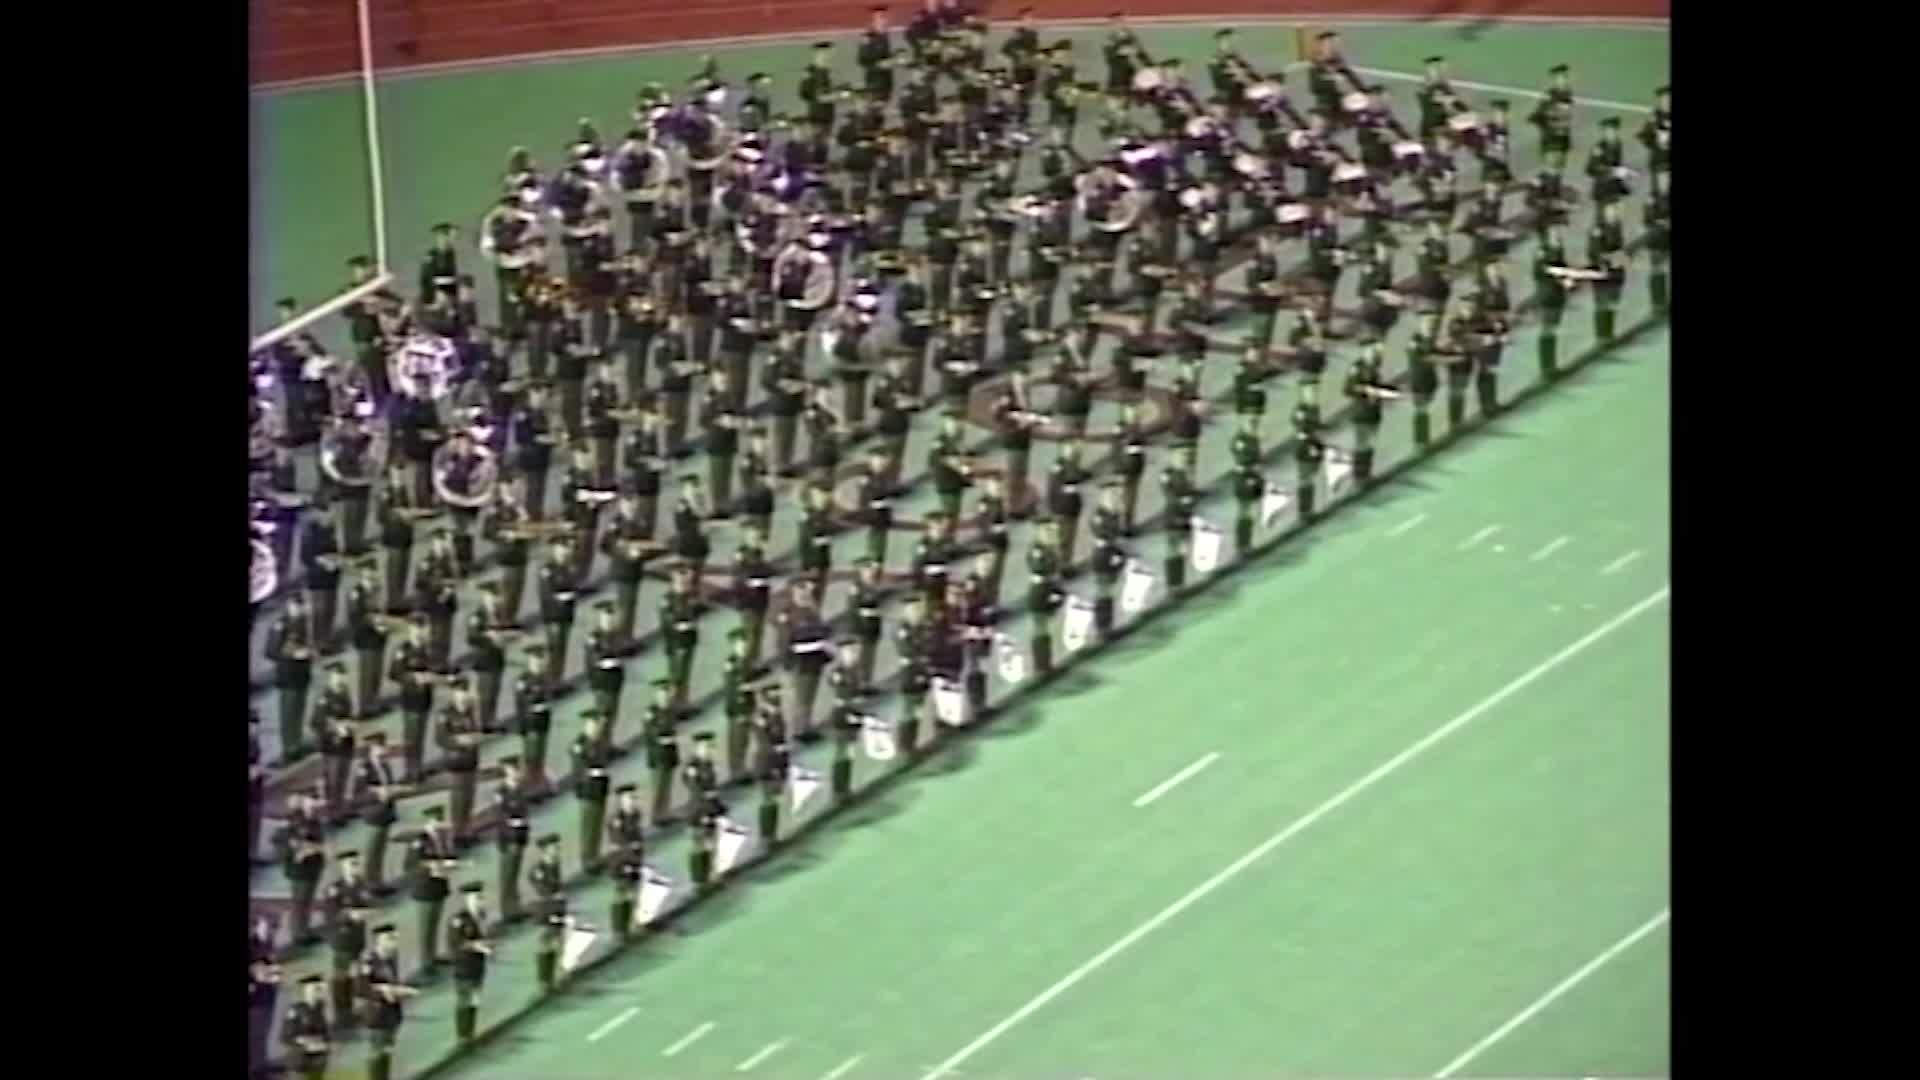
(1366, 390)
(559, 591)
(1046, 569)
(1308, 452)
(398, 512)
(336, 740)
(1248, 483)
(1607, 164)
(347, 903)
(381, 788)
(367, 629)
(460, 736)
(414, 670)
(774, 767)
(592, 761)
(1659, 240)
(737, 696)
(704, 807)
(605, 674)
(433, 858)
(290, 647)
(303, 844)
(1182, 500)
(627, 829)
(305, 1031)
(1492, 323)
(1553, 117)
(1607, 256)
(385, 994)
(806, 645)
(533, 694)
(440, 597)
(468, 941)
(690, 543)
(1550, 296)
(512, 810)
(550, 905)
(680, 613)
(663, 749)
(1064, 501)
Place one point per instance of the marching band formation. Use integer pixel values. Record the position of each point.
(726, 276)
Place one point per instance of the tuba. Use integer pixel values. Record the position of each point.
(351, 470)
(659, 170)
(263, 572)
(720, 140)
(1125, 209)
(423, 366)
(822, 279)
(473, 490)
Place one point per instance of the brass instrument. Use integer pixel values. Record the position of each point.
(823, 278)
(373, 459)
(482, 482)
(263, 572)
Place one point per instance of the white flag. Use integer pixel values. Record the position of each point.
(949, 702)
(575, 947)
(1136, 589)
(876, 738)
(1273, 503)
(1338, 470)
(655, 888)
(732, 844)
(1012, 660)
(1207, 542)
(801, 784)
(1078, 626)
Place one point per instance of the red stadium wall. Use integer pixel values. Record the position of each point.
(308, 39)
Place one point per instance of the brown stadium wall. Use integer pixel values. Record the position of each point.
(298, 41)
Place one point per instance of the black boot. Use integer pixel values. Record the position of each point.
(380, 1066)
(463, 1022)
(1304, 493)
(842, 777)
(1242, 534)
(1176, 572)
(1422, 427)
(1488, 383)
(1603, 325)
(1662, 301)
(546, 965)
(1103, 614)
(623, 919)
(770, 821)
(1043, 653)
(1456, 409)
(1363, 464)
(1549, 354)
(700, 868)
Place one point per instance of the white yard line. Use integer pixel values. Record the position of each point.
(1474, 540)
(606, 1029)
(1510, 91)
(1550, 996)
(1555, 545)
(1622, 562)
(841, 1069)
(761, 1055)
(690, 1038)
(1407, 524)
(1306, 821)
(1169, 783)
(741, 41)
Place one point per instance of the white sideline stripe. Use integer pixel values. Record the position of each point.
(1407, 524)
(739, 41)
(1622, 562)
(606, 1029)
(1239, 865)
(1169, 783)
(690, 1038)
(1479, 536)
(1555, 545)
(1549, 997)
(1511, 91)
(764, 1053)
(841, 1069)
